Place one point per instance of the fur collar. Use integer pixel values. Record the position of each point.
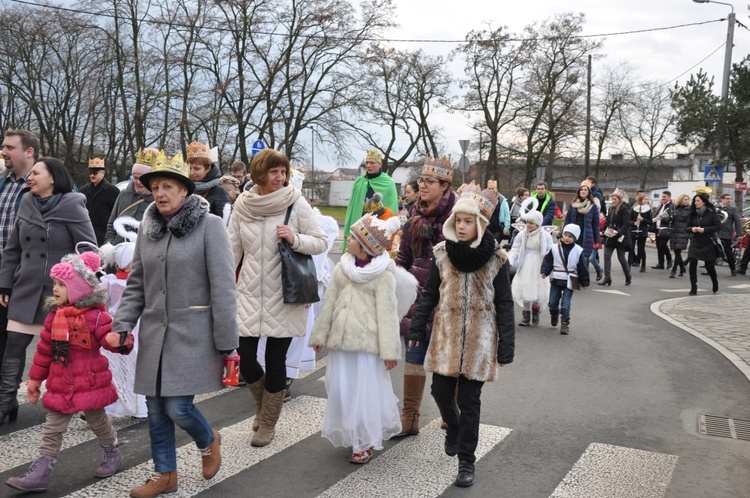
(181, 224)
(95, 299)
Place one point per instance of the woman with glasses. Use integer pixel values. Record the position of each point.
(423, 229)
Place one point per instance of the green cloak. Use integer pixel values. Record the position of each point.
(383, 184)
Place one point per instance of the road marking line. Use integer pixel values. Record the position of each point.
(417, 467)
(619, 293)
(301, 418)
(607, 470)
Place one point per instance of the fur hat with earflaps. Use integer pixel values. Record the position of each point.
(473, 200)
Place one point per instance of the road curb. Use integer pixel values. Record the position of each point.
(738, 362)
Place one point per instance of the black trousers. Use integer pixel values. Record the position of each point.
(252, 371)
(638, 253)
(662, 251)
(727, 243)
(458, 400)
(3, 333)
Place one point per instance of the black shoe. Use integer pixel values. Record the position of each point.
(635, 263)
(606, 282)
(627, 280)
(674, 272)
(669, 265)
(658, 267)
(465, 477)
(451, 441)
(734, 273)
(742, 272)
(693, 290)
(553, 318)
(704, 273)
(643, 269)
(715, 287)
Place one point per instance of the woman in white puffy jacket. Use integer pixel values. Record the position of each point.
(255, 229)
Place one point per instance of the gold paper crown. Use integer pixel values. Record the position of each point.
(174, 164)
(485, 199)
(96, 163)
(373, 155)
(439, 168)
(145, 158)
(197, 150)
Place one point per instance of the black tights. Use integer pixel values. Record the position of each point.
(678, 261)
(17, 344)
(252, 371)
(710, 269)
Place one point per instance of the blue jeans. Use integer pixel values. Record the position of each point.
(594, 259)
(163, 414)
(416, 355)
(559, 289)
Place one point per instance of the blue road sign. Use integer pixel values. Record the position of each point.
(258, 146)
(713, 174)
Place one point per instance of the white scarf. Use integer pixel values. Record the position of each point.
(358, 275)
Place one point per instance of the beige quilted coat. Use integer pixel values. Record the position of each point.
(261, 311)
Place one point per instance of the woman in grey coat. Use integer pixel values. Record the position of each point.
(49, 224)
(181, 286)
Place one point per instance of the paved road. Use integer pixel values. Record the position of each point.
(609, 411)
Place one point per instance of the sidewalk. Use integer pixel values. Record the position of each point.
(720, 321)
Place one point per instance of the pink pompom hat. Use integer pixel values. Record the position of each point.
(78, 273)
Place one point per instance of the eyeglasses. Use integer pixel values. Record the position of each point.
(427, 181)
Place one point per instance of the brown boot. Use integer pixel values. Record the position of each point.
(269, 415)
(212, 457)
(256, 389)
(413, 391)
(157, 484)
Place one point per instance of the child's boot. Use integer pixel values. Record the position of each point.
(165, 482)
(111, 460)
(564, 326)
(525, 318)
(535, 312)
(553, 316)
(465, 477)
(36, 479)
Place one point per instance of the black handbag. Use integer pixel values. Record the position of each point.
(719, 246)
(299, 279)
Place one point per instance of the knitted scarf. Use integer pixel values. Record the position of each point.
(201, 187)
(360, 275)
(467, 259)
(421, 226)
(66, 318)
(583, 206)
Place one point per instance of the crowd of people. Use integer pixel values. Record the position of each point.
(122, 286)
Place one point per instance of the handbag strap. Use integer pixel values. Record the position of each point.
(562, 257)
(288, 214)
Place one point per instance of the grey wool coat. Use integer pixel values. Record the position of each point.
(182, 288)
(38, 242)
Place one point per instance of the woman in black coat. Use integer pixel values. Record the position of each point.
(678, 238)
(618, 220)
(703, 223)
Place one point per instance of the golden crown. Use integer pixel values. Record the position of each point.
(374, 240)
(96, 163)
(197, 150)
(485, 199)
(146, 158)
(439, 168)
(373, 155)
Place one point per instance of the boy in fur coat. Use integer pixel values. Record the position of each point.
(68, 356)
(473, 332)
(358, 323)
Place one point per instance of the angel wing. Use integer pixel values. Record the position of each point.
(406, 291)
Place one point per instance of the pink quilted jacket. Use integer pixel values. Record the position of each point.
(86, 382)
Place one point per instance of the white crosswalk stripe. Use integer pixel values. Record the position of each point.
(616, 471)
(303, 417)
(417, 467)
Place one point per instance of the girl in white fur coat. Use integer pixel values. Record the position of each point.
(358, 323)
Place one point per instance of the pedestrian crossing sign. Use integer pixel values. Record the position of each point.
(712, 174)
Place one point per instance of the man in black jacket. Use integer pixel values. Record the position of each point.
(100, 198)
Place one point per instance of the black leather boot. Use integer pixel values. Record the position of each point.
(525, 318)
(465, 477)
(10, 379)
(553, 316)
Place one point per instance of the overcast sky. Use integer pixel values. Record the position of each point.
(658, 55)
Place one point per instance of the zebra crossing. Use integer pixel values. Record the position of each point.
(412, 467)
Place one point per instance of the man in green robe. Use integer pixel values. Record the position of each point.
(364, 188)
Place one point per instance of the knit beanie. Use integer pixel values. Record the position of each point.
(373, 234)
(473, 200)
(78, 273)
(573, 230)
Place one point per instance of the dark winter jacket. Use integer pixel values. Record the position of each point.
(589, 225)
(474, 328)
(620, 221)
(733, 225)
(100, 199)
(37, 243)
(129, 203)
(679, 236)
(640, 231)
(419, 266)
(701, 246)
(214, 193)
(85, 383)
(548, 211)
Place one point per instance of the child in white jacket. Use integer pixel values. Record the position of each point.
(358, 323)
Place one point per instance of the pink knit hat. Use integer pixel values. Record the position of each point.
(78, 273)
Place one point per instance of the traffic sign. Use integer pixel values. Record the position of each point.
(712, 174)
(740, 185)
(258, 146)
(464, 145)
(463, 164)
